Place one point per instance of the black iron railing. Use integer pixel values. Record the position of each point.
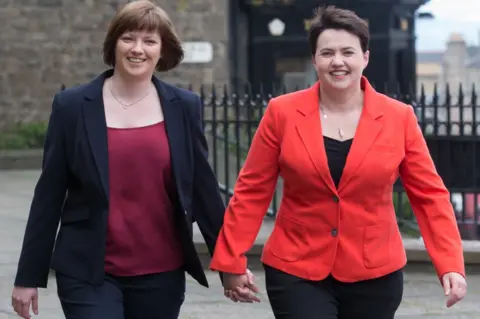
(450, 127)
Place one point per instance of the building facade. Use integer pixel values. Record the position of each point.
(47, 43)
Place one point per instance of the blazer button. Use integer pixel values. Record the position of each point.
(334, 232)
(335, 199)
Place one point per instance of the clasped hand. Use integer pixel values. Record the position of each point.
(240, 287)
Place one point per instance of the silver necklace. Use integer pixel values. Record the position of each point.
(123, 104)
(340, 132)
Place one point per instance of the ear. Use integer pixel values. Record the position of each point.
(366, 59)
(313, 60)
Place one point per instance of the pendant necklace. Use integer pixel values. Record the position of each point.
(127, 105)
(325, 116)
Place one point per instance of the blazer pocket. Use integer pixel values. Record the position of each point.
(74, 215)
(288, 239)
(376, 245)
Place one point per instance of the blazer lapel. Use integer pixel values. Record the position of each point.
(175, 128)
(368, 129)
(310, 131)
(96, 127)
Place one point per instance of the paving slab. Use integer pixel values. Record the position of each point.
(423, 296)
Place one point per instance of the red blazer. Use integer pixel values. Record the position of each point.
(350, 232)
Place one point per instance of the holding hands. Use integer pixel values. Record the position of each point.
(240, 287)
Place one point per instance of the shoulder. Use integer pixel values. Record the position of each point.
(70, 95)
(289, 98)
(180, 93)
(190, 100)
(287, 103)
(395, 109)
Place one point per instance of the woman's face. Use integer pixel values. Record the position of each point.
(137, 53)
(339, 59)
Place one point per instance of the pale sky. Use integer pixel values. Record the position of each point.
(462, 16)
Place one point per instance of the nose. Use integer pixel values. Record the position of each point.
(337, 60)
(137, 47)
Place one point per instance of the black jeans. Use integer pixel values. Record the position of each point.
(157, 296)
(294, 298)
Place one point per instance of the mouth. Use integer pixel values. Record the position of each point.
(136, 60)
(339, 73)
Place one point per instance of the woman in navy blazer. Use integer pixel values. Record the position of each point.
(125, 173)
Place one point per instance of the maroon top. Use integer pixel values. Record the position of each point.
(141, 236)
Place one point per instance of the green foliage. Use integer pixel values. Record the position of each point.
(23, 136)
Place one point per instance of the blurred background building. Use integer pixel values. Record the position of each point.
(47, 43)
(458, 64)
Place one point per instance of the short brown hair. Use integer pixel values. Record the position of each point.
(331, 17)
(144, 15)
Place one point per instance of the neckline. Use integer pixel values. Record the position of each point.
(136, 127)
(338, 141)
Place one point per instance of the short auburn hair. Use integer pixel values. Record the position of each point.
(143, 15)
(331, 17)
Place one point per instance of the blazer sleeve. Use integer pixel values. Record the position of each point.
(208, 207)
(44, 217)
(253, 193)
(430, 201)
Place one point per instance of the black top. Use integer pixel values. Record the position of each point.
(337, 152)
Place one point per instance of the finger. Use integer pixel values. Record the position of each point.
(446, 285)
(232, 296)
(458, 292)
(242, 294)
(254, 288)
(226, 293)
(251, 278)
(241, 297)
(246, 293)
(17, 307)
(452, 299)
(25, 310)
(35, 305)
(454, 293)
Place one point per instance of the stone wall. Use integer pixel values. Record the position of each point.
(46, 43)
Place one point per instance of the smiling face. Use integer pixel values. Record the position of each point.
(137, 53)
(339, 60)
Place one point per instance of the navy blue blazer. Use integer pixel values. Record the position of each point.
(73, 187)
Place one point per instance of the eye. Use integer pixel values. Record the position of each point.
(349, 53)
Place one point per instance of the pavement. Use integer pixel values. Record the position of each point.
(423, 296)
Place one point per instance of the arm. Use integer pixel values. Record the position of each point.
(430, 202)
(48, 198)
(252, 194)
(208, 208)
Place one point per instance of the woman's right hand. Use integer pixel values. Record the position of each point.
(241, 287)
(22, 298)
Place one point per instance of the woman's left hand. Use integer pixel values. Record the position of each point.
(455, 287)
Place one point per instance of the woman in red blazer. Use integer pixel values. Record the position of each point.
(336, 250)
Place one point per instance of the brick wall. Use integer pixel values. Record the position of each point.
(45, 43)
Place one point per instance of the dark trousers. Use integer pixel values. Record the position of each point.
(293, 298)
(157, 296)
